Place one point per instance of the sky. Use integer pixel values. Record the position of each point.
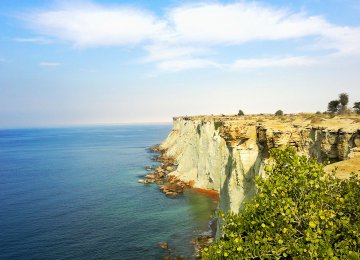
(109, 62)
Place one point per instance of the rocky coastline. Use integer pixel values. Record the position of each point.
(171, 186)
(224, 154)
(161, 175)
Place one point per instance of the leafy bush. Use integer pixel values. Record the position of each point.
(357, 107)
(333, 106)
(340, 105)
(344, 99)
(299, 212)
(240, 113)
(279, 113)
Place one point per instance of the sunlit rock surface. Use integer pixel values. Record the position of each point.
(225, 153)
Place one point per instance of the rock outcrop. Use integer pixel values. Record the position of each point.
(225, 153)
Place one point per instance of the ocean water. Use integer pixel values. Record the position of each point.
(72, 193)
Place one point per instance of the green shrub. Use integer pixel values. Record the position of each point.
(240, 113)
(334, 106)
(299, 212)
(344, 100)
(357, 107)
(279, 113)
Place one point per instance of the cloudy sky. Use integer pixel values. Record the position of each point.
(105, 62)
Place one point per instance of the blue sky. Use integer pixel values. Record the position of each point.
(108, 62)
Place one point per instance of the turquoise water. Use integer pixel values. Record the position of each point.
(72, 193)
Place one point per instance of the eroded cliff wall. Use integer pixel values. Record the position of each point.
(226, 153)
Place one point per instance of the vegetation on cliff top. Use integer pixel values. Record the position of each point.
(340, 105)
(299, 212)
(279, 113)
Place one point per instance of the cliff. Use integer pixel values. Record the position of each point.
(225, 153)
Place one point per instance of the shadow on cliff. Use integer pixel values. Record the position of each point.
(242, 184)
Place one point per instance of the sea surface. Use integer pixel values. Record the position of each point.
(72, 193)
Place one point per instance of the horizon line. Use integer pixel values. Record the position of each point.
(83, 125)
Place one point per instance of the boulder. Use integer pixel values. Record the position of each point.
(159, 181)
(164, 245)
(171, 193)
(150, 176)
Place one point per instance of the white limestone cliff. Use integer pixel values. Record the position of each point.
(226, 153)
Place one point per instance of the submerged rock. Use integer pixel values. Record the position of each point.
(150, 176)
(164, 245)
(147, 181)
(200, 243)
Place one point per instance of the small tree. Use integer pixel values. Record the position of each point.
(241, 113)
(357, 107)
(333, 106)
(344, 100)
(279, 113)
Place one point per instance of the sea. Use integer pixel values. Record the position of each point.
(72, 193)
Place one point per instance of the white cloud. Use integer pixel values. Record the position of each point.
(187, 35)
(159, 52)
(40, 40)
(185, 64)
(241, 22)
(272, 62)
(345, 40)
(237, 23)
(93, 25)
(48, 64)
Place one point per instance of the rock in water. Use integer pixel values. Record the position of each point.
(164, 245)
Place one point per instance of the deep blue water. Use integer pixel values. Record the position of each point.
(72, 193)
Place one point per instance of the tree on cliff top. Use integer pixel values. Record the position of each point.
(299, 212)
(357, 107)
(279, 113)
(344, 99)
(333, 106)
(340, 105)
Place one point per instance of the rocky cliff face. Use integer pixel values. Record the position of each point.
(226, 153)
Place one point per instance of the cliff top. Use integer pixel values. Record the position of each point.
(347, 123)
(234, 129)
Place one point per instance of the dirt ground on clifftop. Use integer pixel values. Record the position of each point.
(344, 168)
(347, 122)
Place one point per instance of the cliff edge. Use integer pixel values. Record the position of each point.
(225, 153)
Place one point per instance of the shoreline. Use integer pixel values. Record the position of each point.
(214, 195)
(172, 187)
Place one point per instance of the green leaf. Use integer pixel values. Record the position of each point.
(311, 215)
